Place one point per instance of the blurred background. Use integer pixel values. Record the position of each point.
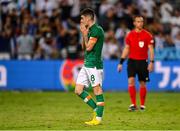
(40, 42)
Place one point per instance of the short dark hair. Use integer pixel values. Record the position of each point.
(137, 16)
(88, 12)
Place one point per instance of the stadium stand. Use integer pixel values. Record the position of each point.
(49, 29)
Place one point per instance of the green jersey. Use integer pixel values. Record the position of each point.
(93, 58)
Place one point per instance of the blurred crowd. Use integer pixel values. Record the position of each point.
(49, 29)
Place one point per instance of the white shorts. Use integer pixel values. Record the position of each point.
(89, 76)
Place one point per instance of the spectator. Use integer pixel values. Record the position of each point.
(61, 17)
(104, 7)
(147, 6)
(25, 45)
(47, 6)
(111, 48)
(73, 49)
(7, 44)
(108, 19)
(28, 5)
(47, 47)
(120, 33)
(166, 10)
(175, 20)
(168, 42)
(177, 41)
(159, 41)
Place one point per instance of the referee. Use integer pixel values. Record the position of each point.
(138, 42)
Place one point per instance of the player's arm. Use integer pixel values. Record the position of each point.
(89, 44)
(125, 52)
(83, 44)
(151, 53)
(124, 55)
(84, 31)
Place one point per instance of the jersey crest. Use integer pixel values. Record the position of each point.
(141, 44)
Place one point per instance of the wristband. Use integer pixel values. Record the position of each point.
(122, 61)
(152, 61)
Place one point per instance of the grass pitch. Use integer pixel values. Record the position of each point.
(66, 111)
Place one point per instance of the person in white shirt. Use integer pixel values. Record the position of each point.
(25, 45)
(47, 5)
(166, 10)
(148, 6)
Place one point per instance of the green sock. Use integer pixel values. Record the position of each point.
(100, 105)
(88, 99)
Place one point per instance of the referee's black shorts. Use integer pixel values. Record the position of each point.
(138, 67)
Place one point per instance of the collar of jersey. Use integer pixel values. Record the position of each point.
(92, 26)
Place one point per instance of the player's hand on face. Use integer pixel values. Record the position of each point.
(119, 68)
(151, 67)
(84, 30)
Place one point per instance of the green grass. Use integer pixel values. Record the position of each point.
(57, 110)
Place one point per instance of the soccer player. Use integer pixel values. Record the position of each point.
(92, 71)
(138, 42)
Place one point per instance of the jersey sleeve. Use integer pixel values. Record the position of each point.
(127, 39)
(150, 39)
